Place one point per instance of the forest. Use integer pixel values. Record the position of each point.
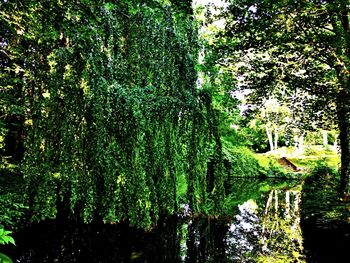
(174, 131)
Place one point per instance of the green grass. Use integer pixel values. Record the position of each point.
(309, 162)
(265, 161)
(306, 159)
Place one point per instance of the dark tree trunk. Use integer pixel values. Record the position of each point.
(210, 175)
(343, 99)
(14, 147)
(344, 127)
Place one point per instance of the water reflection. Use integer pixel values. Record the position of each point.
(243, 237)
(264, 227)
(206, 240)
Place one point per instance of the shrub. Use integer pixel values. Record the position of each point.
(241, 162)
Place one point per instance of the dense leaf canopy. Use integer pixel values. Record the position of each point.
(113, 118)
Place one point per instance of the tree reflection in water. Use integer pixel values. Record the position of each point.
(271, 234)
(264, 229)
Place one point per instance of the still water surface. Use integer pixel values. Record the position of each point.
(264, 227)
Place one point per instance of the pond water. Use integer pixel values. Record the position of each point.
(264, 227)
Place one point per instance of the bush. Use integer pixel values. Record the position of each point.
(310, 151)
(241, 162)
(12, 210)
(12, 207)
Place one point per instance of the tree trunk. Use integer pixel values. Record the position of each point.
(301, 142)
(324, 137)
(269, 136)
(343, 98)
(343, 114)
(276, 138)
(344, 125)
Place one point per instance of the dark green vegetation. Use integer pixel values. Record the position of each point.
(124, 113)
(326, 223)
(5, 238)
(107, 105)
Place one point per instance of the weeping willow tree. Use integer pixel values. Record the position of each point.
(113, 117)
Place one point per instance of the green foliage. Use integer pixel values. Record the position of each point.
(255, 135)
(274, 53)
(12, 207)
(314, 138)
(241, 162)
(5, 259)
(5, 236)
(296, 52)
(115, 127)
(310, 151)
(270, 166)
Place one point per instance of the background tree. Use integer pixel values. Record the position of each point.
(275, 118)
(307, 43)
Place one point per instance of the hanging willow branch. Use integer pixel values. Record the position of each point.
(114, 118)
